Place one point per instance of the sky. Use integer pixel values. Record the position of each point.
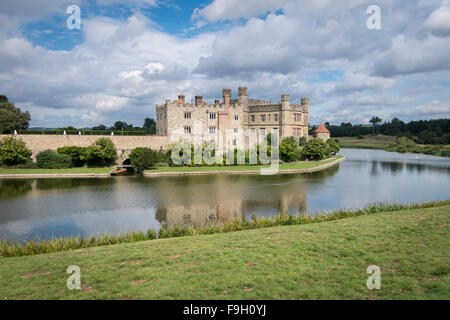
(129, 56)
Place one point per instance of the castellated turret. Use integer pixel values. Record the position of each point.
(242, 94)
(285, 101)
(305, 103)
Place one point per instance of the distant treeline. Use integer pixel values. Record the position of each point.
(422, 131)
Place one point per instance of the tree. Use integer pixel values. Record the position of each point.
(77, 154)
(375, 121)
(119, 125)
(14, 151)
(143, 158)
(333, 146)
(11, 117)
(316, 149)
(101, 127)
(149, 125)
(288, 149)
(302, 141)
(101, 153)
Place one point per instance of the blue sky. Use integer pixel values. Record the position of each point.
(130, 55)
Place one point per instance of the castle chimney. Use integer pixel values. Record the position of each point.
(226, 99)
(198, 100)
(242, 94)
(181, 98)
(216, 101)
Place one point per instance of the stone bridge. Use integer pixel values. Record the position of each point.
(124, 144)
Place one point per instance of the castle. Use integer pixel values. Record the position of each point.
(228, 120)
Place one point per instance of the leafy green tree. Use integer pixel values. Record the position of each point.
(101, 153)
(50, 159)
(333, 145)
(288, 149)
(77, 154)
(119, 125)
(316, 149)
(375, 121)
(101, 127)
(144, 158)
(302, 141)
(149, 125)
(14, 151)
(11, 117)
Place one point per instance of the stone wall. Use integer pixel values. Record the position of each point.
(124, 144)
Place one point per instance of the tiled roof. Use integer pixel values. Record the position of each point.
(321, 129)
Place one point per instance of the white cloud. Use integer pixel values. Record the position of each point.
(433, 107)
(220, 10)
(123, 68)
(411, 55)
(438, 22)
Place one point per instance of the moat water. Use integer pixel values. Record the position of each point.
(47, 208)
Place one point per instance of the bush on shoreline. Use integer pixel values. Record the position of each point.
(50, 159)
(8, 249)
(14, 151)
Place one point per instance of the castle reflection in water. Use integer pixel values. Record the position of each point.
(227, 198)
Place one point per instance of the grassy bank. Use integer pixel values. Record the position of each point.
(393, 144)
(54, 171)
(283, 166)
(369, 142)
(314, 261)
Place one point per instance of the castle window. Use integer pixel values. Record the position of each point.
(212, 116)
(234, 142)
(236, 130)
(252, 117)
(275, 131)
(187, 129)
(212, 130)
(263, 117)
(275, 117)
(252, 130)
(187, 115)
(236, 117)
(262, 132)
(295, 117)
(269, 117)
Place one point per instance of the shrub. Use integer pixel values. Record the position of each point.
(302, 141)
(50, 159)
(288, 149)
(143, 158)
(333, 145)
(316, 149)
(360, 137)
(101, 153)
(14, 151)
(77, 154)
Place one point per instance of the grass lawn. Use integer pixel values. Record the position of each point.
(283, 166)
(55, 171)
(369, 142)
(315, 261)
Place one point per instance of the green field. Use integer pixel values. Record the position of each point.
(54, 171)
(325, 260)
(283, 166)
(369, 142)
